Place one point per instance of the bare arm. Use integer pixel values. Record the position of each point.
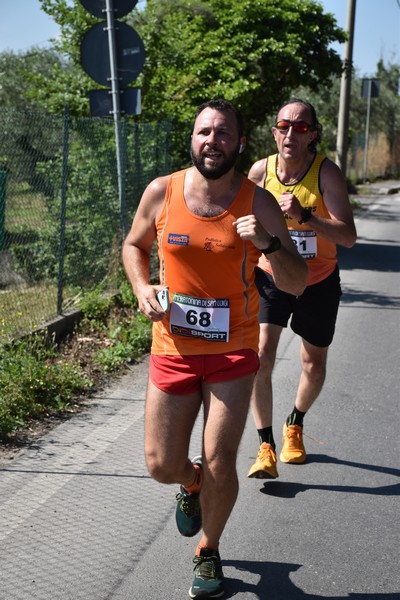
(339, 228)
(137, 247)
(288, 268)
(258, 172)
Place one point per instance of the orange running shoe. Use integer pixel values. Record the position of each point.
(293, 448)
(265, 465)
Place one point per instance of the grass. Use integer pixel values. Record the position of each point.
(25, 209)
(25, 308)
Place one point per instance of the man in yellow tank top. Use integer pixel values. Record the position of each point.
(210, 223)
(312, 194)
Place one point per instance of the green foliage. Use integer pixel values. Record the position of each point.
(126, 294)
(33, 382)
(249, 51)
(95, 305)
(68, 83)
(130, 339)
(15, 76)
(126, 332)
(36, 378)
(92, 229)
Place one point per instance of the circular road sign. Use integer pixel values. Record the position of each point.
(98, 7)
(95, 54)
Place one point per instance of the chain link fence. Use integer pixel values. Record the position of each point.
(63, 213)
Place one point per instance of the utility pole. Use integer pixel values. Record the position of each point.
(345, 88)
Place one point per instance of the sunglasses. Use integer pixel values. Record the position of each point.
(298, 126)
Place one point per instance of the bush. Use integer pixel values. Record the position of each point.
(33, 381)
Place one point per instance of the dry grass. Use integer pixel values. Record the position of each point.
(25, 308)
(378, 160)
(24, 209)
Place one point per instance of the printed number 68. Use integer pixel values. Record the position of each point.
(203, 319)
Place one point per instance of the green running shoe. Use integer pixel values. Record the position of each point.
(188, 511)
(208, 579)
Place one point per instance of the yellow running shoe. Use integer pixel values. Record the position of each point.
(293, 448)
(265, 465)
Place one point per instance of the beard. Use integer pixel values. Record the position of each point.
(214, 171)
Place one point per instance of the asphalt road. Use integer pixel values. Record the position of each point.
(81, 519)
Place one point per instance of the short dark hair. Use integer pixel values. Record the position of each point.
(223, 105)
(315, 124)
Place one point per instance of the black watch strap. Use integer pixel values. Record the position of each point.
(274, 245)
(306, 215)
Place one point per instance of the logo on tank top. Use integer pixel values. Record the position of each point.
(211, 243)
(180, 239)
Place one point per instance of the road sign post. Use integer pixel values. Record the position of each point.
(113, 55)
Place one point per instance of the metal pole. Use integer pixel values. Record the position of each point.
(115, 99)
(3, 182)
(345, 88)
(367, 131)
(64, 183)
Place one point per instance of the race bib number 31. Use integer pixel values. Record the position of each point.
(306, 243)
(206, 318)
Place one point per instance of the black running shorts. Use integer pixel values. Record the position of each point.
(313, 314)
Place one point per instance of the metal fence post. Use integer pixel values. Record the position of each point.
(124, 149)
(3, 180)
(63, 209)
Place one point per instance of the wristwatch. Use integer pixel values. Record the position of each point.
(306, 215)
(274, 245)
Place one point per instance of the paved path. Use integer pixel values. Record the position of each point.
(81, 519)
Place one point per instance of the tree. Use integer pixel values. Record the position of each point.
(15, 70)
(384, 117)
(249, 51)
(388, 111)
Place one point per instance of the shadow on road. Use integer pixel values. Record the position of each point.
(384, 257)
(371, 298)
(289, 489)
(275, 583)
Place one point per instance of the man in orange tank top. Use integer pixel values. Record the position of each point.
(312, 194)
(211, 224)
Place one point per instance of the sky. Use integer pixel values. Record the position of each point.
(377, 29)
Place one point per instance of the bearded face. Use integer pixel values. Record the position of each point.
(213, 163)
(215, 143)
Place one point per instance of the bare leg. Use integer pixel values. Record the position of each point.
(313, 364)
(169, 421)
(226, 408)
(261, 399)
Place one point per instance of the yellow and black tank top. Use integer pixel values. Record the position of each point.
(209, 271)
(319, 253)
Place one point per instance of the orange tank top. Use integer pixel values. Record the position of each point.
(209, 271)
(319, 253)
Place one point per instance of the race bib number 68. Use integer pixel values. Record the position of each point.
(206, 318)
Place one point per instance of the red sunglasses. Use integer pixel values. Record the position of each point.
(298, 126)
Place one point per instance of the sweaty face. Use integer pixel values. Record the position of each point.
(215, 143)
